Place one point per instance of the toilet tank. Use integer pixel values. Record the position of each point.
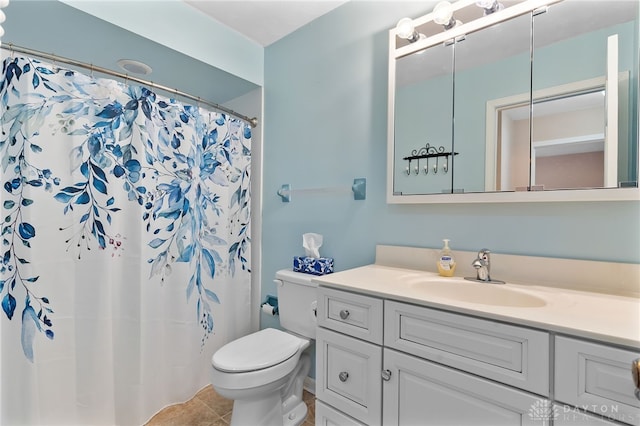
(297, 297)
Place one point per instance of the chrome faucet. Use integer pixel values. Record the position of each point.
(482, 265)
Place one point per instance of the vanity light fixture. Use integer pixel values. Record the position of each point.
(443, 15)
(490, 6)
(405, 29)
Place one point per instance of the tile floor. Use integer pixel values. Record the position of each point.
(207, 408)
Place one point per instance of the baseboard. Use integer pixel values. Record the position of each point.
(309, 385)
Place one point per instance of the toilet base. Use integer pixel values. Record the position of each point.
(296, 414)
(269, 407)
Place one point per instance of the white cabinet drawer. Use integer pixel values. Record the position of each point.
(349, 375)
(509, 354)
(596, 378)
(353, 314)
(326, 415)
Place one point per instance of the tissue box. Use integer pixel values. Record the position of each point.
(313, 265)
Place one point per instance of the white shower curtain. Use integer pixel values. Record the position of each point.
(125, 246)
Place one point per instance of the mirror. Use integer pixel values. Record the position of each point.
(423, 104)
(515, 106)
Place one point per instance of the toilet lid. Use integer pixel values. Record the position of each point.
(256, 351)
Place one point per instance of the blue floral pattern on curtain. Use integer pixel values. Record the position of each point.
(128, 144)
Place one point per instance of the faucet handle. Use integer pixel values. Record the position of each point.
(484, 254)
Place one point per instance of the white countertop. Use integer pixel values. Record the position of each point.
(607, 318)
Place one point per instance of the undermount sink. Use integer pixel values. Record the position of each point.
(472, 292)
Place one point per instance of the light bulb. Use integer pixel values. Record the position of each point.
(3, 17)
(489, 6)
(405, 28)
(442, 13)
(4, 3)
(1, 31)
(485, 4)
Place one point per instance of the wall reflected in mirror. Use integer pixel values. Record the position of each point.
(600, 44)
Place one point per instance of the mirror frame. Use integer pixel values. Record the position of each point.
(562, 195)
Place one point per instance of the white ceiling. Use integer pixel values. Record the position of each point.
(264, 21)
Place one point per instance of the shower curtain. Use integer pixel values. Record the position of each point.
(125, 246)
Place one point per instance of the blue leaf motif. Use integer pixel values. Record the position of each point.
(84, 169)
(156, 242)
(62, 197)
(186, 254)
(99, 185)
(211, 295)
(71, 189)
(75, 156)
(43, 70)
(29, 326)
(111, 110)
(133, 165)
(211, 265)
(118, 171)
(9, 305)
(83, 198)
(26, 230)
(99, 172)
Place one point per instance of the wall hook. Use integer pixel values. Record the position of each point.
(427, 152)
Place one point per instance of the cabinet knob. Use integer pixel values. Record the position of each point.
(635, 373)
(343, 376)
(386, 375)
(344, 314)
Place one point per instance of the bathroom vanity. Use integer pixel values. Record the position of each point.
(401, 346)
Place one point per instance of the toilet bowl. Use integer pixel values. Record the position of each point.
(264, 372)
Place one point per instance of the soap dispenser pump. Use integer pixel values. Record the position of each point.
(446, 262)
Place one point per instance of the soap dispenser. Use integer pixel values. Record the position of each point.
(446, 262)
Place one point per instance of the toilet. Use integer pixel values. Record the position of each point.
(264, 372)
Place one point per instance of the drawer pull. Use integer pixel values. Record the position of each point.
(635, 373)
(343, 376)
(344, 314)
(386, 375)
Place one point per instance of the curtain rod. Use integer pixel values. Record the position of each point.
(51, 57)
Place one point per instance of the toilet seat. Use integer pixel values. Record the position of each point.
(247, 373)
(256, 351)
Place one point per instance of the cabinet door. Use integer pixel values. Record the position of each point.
(565, 415)
(596, 377)
(348, 375)
(326, 415)
(421, 392)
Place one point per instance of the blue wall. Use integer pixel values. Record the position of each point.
(325, 124)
